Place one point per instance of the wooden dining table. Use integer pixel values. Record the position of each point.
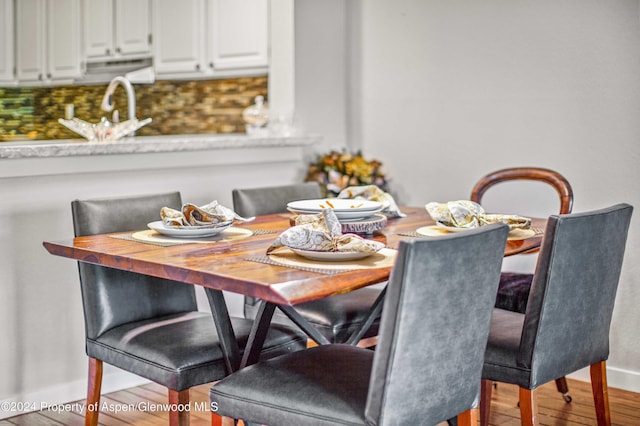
(241, 266)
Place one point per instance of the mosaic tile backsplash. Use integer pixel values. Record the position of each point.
(176, 107)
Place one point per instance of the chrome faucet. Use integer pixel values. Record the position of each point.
(107, 101)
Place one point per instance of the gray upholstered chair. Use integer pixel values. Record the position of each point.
(514, 287)
(335, 317)
(426, 367)
(566, 325)
(150, 326)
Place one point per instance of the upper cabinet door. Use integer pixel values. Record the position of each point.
(63, 39)
(98, 28)
(47, 40)
(133, 26)
(30, 40)
(116, 29)
(178, 30)
(239, 35)
(6, 40)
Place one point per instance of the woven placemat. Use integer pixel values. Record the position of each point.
(269, 261)
(266, 231)
(383, 258)
(149, 236)
(410, 234)
(129, 237)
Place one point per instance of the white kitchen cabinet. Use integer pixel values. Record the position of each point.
(97, 17)
(238, 34)
(30, 60)
(47, 40)
(63, 56)
(6, 41)
(116, 29)
(179, 36)
(210, 38)
(133, 27)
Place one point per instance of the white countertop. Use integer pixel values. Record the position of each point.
(148, 144)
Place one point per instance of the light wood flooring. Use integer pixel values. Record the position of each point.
(625, 408)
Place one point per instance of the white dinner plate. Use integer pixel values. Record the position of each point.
(183, 232)
(337, 204)
(342, 215)
(435, 230)
(451, 228)
(333, 256)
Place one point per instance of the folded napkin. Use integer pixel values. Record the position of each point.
(468, 214)
(212, 214)
(323, 232)
(373, 193)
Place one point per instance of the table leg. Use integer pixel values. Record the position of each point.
(227, 336)
(301, 322)
(373, 314)
(258, 333)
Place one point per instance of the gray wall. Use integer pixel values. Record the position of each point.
(42, 357)
(444, 92)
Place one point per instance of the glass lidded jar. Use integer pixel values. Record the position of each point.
(256, 117)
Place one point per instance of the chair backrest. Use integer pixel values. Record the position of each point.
(551, 177)
(258, 201)
(112, 297)
(554, 179)
(566, 325)
(268, 200)
(435, 325)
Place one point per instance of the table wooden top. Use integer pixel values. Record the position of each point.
(224, 265)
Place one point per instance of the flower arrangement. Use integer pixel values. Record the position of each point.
(336, 171)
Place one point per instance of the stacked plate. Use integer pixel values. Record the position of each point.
(345, 209)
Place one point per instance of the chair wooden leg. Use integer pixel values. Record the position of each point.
(600, 392)
(468, 418)
(216, 419)
(179, 402)
(485, 401)
(368, 342)
(93, 392)
(528, 408)
(563, 388)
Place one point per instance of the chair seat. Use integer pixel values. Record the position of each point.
(502, 349)
(335, 317)
(335, 395)
(513, 291)
(151, 349)
(503, 360)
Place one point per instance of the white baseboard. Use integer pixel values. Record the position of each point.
(616, 378)
(65, 393)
